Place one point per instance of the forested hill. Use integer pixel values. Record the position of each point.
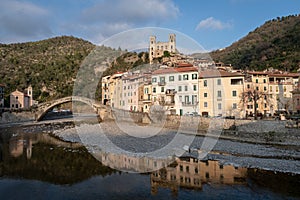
(48, 65)
(274, 44)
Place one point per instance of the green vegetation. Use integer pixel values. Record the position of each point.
(275, 44)
(50, 66)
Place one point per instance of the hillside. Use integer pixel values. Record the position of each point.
(48, 65)
(274, 44)
(51, 66)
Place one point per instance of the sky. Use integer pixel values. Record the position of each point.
(214, 24)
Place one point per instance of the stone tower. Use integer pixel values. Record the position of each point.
(156, 49)
(29, 93)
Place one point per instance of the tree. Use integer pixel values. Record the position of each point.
(254, 96)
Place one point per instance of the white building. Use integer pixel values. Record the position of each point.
(176, 89)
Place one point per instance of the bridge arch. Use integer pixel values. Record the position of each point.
(45, 107)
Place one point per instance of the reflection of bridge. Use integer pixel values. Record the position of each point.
(43, 108)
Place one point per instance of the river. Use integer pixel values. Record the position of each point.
(36, 165)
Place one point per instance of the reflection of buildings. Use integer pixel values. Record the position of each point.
(192, 174)
(17, 146)
(132, 163)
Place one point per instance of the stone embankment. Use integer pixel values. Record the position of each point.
(16, 117)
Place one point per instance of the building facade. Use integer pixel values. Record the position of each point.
(21, 100)
(219, 93)
(176, 89)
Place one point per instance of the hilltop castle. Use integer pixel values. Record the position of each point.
(156, 49)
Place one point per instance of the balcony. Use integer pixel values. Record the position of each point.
(170, 92)
(189, 104)
(162, 83)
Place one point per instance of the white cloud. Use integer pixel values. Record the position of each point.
(21, 21)
(213, 24)
(131, 11)
(112, 17)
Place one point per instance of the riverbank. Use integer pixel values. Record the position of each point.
(251, 153)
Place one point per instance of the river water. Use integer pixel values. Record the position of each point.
(37, 165)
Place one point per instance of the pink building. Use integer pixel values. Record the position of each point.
(21, 100)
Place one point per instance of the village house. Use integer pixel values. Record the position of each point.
(219, 93)
(176, 89)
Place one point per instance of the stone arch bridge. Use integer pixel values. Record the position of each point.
(100, 109)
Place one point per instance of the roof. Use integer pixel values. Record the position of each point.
(218, 73)
(257, 73)
(175, 70)
(2, 85)
(294, 75)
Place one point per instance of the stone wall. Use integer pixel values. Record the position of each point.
(11, 117)
(189, 123)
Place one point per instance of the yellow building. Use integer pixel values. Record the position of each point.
(219, 93)
(191, 173)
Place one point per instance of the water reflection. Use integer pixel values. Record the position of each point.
(48, 159)
(192, 173)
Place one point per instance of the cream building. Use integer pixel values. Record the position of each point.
(277, 88)
(156, 48)
(219, 93)
(105, 90)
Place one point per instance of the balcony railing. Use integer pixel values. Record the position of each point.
(188, 104)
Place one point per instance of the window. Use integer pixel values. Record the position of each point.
(179, 77)
(219, 82)
(265, 88)
(265, 105)
(264, 80)
(248, 86)
(271, 89)
(256, 80)
(171, 78)
(205, 83)
(276, 88)
(284, 88)
(257, 88)
(219, 93)
(194, 99)
(195, 87)
(219, 106)
(185, 88)
(234, 93)
(146, 90)
(179, 88)
(234, 106)
(205, 104)
(205, 94)
(194, 76)
(154, 90)
(162, 79)
(162, 89)
(153, 80)
(185, 77)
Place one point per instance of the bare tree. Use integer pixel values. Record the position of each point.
(253, 95)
